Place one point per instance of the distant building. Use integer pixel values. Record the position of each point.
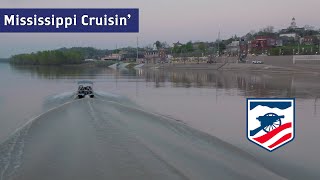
(308, 40)
(162, 54)
(89, 60)
(287, 40)
(262, 43)
(292, 31)
(243, 47)
(292, 35)
(155, 56)
(233, 48)
(112, 57)
(293, 24)
(151, 54)
(279, 42)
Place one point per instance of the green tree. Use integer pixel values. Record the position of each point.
(158, 44)
(189, 47)
(55, 57)
(202, 47)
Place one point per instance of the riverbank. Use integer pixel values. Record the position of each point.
(229, 66)
(301, 68)
(220, 66)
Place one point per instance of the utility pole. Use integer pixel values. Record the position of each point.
(116, 52)
(219, 43)
(299, 46)
(137, 49)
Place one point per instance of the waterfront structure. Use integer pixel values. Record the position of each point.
(89, 60)
(233, 48)
(290, 35)
(112, 57)
(308, 40)
(262, 43)
(156, 56)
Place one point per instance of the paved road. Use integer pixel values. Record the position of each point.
(96, 139)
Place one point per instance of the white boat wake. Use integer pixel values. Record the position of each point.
(109, 138)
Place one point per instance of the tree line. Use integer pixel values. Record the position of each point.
(56, 57)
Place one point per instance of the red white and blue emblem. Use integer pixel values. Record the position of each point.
(270, 122)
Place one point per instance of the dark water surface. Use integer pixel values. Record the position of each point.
(136, 138)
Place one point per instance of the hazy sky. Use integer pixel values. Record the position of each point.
(166, 20)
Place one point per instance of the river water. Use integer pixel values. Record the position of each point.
(205, 104)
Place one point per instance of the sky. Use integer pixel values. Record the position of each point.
(165, 20)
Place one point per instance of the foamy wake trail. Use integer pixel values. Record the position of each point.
(58, 99)
(108, 96)
(11, 152)
(64, 97)
(108, 137)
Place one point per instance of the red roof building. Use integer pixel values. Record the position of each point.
(262, 43)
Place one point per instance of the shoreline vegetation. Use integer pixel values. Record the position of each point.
(76, 57)
(54, 57)
(63, 56)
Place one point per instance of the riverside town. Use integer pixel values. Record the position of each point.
(267, 46)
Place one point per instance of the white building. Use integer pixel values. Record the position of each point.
(89, 60)
(293, 35)
(233, 48)
(116, 57)
(291, 31)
